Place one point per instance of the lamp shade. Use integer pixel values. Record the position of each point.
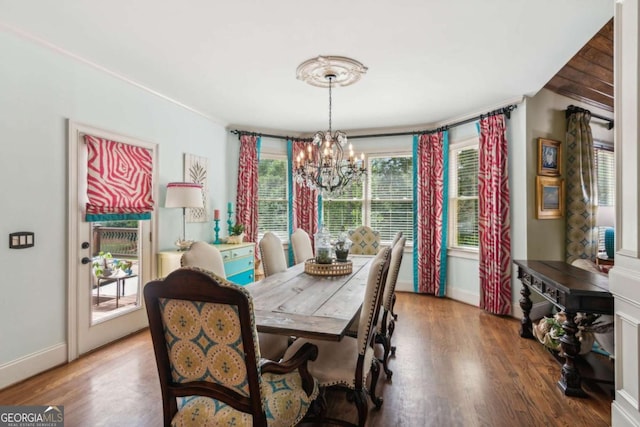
(183, 195)
(606, 216)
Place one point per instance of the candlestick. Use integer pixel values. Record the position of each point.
(229, 220)
(216, 228)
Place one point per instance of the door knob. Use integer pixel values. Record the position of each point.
(85, 245)
(85, 260)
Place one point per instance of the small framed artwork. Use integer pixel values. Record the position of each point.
(549, 157)
(549, 197)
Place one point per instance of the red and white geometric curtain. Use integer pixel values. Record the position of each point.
(304, 199)
(247, 195)
(119, 181)
(494, 224)
(430, 258)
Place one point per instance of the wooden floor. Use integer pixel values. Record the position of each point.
(456, 366)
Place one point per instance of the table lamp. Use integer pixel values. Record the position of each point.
(183, 195)
(606, 220)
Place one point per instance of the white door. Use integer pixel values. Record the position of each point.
(104, 307)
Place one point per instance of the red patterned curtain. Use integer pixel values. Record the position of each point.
(247, 196)
(119, 181)
(430, 256)
(305, 200)
(494, 226)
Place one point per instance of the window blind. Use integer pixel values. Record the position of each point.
(343, 211)
(465, 201)
(391, 196)
(605, 171)
(272, 197)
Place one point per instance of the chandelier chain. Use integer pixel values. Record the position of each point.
(330, 77)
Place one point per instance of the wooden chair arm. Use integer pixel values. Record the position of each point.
(298, 361)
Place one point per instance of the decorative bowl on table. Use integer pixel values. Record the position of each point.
(334, 268)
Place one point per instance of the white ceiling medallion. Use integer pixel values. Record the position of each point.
(314, 71)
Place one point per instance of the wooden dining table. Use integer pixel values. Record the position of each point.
(299, 304)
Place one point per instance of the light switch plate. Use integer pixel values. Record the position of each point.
(21, 240)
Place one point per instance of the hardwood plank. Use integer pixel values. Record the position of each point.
(456, 365)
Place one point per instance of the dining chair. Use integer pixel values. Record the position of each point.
(301, 244)
(365, 240)
(386, 324)
(208, 359)
(272, 254)
(208, 257)
(346, 364)
(396, 238)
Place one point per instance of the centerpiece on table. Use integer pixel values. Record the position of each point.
(323, 246)
(343, 244)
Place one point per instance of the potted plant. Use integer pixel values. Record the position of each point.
(101, 264)
(237, 234)
(342, 246)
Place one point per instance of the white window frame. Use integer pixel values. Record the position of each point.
(454, 249)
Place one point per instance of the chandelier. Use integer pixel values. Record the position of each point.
(325, 166)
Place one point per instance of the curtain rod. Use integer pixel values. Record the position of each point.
(573, 109)
(504, 110)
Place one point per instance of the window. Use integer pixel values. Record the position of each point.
(385, 202)
(391, 196)
(272, 197)
(605, 176)
(343, 211)
(464, 196)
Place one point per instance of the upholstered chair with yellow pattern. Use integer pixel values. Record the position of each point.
(365, 241)
(209, 363)
(208, 257)
(348, 363)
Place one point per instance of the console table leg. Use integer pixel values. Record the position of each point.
(525, 305)
(570, 381)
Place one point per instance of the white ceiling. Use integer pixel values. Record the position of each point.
(235, 61)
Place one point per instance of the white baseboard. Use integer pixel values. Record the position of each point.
(32, 364)
(538, 310)
(463, 296)
(404, 286)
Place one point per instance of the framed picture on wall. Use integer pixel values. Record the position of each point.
(549, 157)
(549, 197)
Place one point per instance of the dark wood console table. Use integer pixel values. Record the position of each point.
(572, 290)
